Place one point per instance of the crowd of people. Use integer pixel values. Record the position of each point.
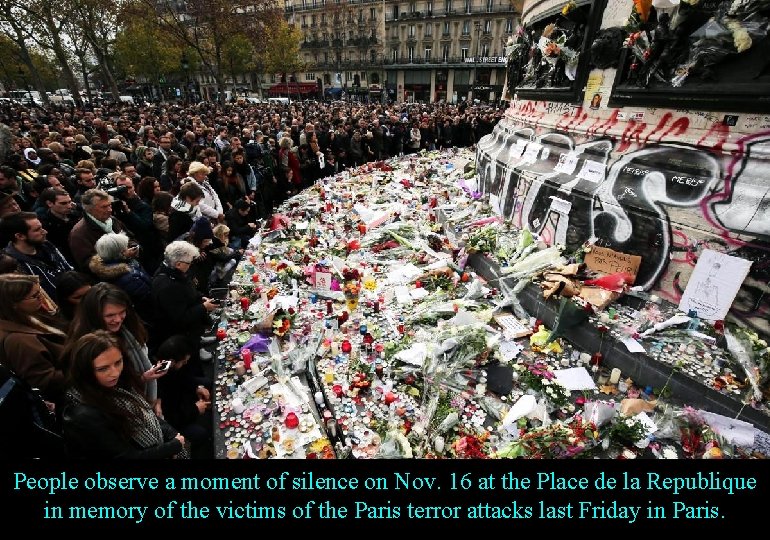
(119, 224)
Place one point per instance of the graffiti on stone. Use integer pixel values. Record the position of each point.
(664, 201)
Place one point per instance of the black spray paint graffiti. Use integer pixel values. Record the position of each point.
(622, 204)
(661, 202)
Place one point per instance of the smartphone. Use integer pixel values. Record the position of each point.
(162, 366)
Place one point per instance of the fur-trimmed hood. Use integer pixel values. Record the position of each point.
(107, 271)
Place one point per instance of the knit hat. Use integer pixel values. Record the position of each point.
(201, 230)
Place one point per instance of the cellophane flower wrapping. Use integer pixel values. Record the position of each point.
(713, 42)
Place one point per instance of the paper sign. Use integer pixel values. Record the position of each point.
(511, 326)
(323, 281)
(402, 294)
(530, 155)
(593, 171)
(321, 160)
(509, 350)
(713, 285)
(632, 345)
(609, 261)
(575, 379)
(518, 150)
(734, 431)
(567, 163)
(494, 202)
(560, 206)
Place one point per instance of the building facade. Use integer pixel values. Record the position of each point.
(416, 50)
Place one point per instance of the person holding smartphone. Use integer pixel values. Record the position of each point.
(106, 307)
(107, 417)
(187, 400)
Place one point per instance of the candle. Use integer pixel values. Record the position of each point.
(245, 302)
(246, 356)
(614, 376)
(237, 405)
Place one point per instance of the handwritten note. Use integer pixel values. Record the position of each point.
(713, 284)
(567, 163)
(609, 261)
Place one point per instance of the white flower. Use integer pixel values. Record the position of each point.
(571, 407)
(546, 382)
(549, 391)
(630, 422)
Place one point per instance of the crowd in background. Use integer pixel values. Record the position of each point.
(119, 226)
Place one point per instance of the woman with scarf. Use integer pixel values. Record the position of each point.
(106, 307)
(143, 156)
(31, 338)
(107, 416)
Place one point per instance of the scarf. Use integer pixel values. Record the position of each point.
(137, 354)
(145, 426)
(106, 226)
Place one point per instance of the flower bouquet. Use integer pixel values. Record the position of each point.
(283, 320)
(540, 378)
(352, 287)
(556, 441)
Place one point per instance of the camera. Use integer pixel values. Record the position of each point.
(117, 192)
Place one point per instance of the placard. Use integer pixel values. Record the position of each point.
(518, 149)
(713, 285)
(560, 206)
(323, 281)
(567, 163)
(530, 155)
(593, 171)
(609, 261)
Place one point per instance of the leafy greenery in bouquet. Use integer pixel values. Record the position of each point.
(556, 441)
(540, 378)
(483, 240)
(626, 430)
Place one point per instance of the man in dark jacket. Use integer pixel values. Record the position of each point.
(97, 220)
(242, 227)
(59, 218)
(34, 254)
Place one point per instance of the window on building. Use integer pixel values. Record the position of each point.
(468, 4)
(395, 11)
(304, 22)
(487, 27)
(372, 14)
(485, 49)
(429, 8)
(412, 7)
(466, 27)
(326, 58)
(428, 30)
(509, 26)
(394, 55)
(327, 79)
(349, 75)
(428, 51)
(490, 4)
(445, 53)
(310, 77)
(372, 56)
(314, 3)
(448, 6)
(360, 15)
(446, 28)
(312, 21)
(411, 30)
(464, 53)
(410, 52)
